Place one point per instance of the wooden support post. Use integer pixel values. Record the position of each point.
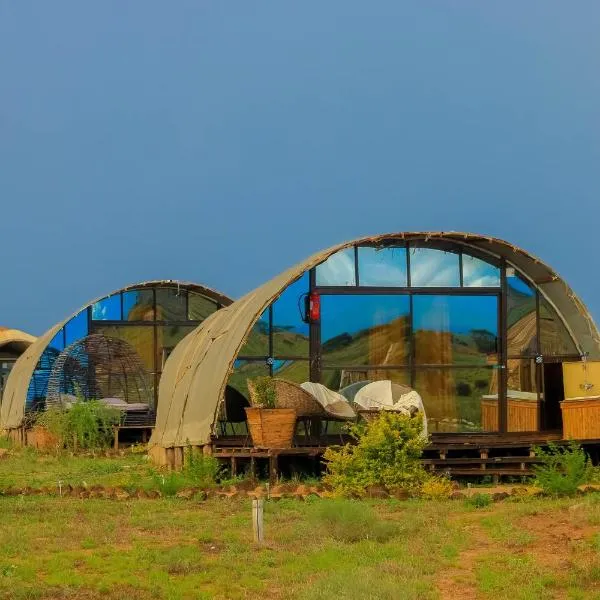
(496, 479)
(116, 430)
(252, 468)
(257, 520)
(233, 466)
(144, 436)
(273, 468)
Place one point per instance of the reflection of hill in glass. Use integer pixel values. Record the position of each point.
(286, 342)
(389, 345)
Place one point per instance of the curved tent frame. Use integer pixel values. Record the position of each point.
(15, 341)
(14, 399)
(195, 376)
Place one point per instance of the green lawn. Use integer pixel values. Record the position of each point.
(55, 547)
(68, 548)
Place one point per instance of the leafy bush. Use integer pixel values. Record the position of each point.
(436, 487)
(86, 425)
(351, 521)
(562, 469)
(265, 392)
(479, 500)
(387, 453)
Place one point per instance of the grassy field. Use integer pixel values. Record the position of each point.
(54, 548)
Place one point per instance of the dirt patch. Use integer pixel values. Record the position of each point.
(459, 581)
(555, 535)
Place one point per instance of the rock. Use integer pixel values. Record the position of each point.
(121, 494)
(499, 496)
(201, 496)
(154, 494)
(520, 491)
(141, 494)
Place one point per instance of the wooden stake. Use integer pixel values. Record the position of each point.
(257, 520)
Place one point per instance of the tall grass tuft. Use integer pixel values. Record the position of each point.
(562, 469)
(351, 521)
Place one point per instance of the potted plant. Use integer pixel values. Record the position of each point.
(269, 426)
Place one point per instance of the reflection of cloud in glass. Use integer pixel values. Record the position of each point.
(382, 266)
(434, 268)
(478, 273)
(338, 269)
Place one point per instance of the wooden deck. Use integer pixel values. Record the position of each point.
(475, 455)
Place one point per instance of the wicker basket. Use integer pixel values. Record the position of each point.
(291, 395)
(271, 427)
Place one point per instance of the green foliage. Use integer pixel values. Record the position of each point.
(86, 425)
(387, 453)
(479, 500)
(198, 471)
(265, 392)
(351, 521)
(562, 469)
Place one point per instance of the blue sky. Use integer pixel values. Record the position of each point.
(221, 142)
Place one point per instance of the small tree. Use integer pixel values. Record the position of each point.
(387, 453)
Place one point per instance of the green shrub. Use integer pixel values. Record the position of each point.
(387, 453)
(201, 470)
(479, 500)
(350, 521)
(86, 425)
(265, 392)
(562, 469)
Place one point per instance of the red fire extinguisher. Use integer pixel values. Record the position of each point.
(314, 307)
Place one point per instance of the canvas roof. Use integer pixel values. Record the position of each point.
(14, 340)
(14, 398)
(196, 374)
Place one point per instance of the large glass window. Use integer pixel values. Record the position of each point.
(76, 328)
(382, 267)
(290, 331)
(459, 330)
(297, 371)
(167, 337)
(555, 340)
(365, 329)
(257, 343)
(521, 304)
(479, 273)
(434, 268)
(171, 304)
(107, 309)
(338, 270)
(140, 337)
(455, 399)
(138, 305)
(244, 370)
(200, 307)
